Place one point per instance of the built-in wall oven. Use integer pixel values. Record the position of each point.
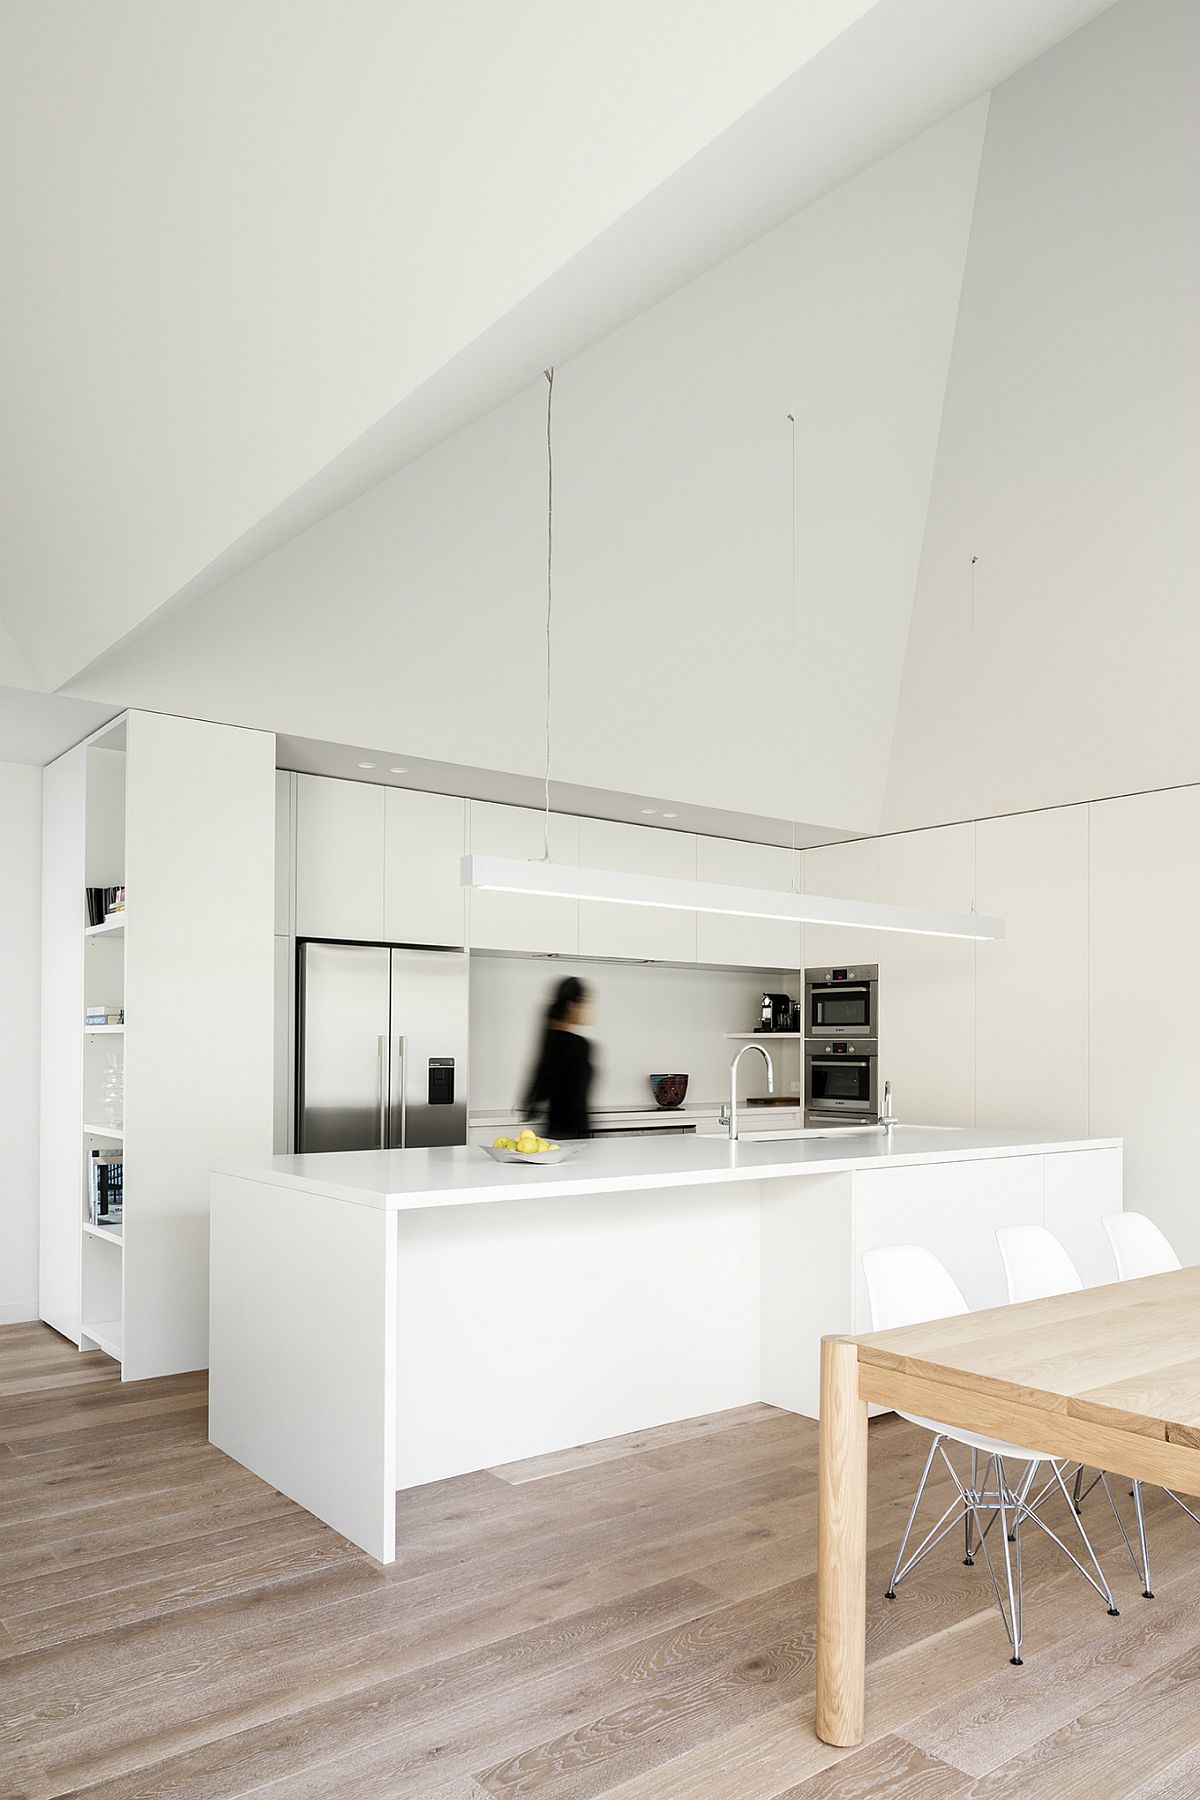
(842, 1002)
(841, 1081)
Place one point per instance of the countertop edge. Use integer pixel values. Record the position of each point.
(546, 1185)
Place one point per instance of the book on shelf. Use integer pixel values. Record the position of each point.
(106, 1184)
(104, 903)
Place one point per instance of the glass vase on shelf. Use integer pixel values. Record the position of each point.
(112, 1088)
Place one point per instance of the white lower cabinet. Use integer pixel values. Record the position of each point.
(425, 836)
(1081, 1187)
(748, 943)
(522, 921)
(928, 1205)
(655, 933)
(339, 859)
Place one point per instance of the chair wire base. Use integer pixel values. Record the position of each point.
(978, 1507)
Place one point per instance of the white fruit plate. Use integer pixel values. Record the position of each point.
(559, 1154)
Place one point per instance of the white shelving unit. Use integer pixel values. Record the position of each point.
(114, 927)
(180, 810)
(762, 1037)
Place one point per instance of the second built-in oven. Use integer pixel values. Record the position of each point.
(841, 1082)
(842, 1002)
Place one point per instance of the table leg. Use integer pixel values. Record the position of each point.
(841, 1547)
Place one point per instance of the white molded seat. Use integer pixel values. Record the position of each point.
(1035, 1263)
(908, 1285)
(1139, 1246)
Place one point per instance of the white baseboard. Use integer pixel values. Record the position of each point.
(17, 1312)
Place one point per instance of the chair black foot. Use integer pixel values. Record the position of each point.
(891, 1594)
(1012, 1537)
(968, 1562)
(1016, 1662)
(1147, 1593)
(1078, 1509)
(1114, 1612)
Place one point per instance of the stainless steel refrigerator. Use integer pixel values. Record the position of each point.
(381, 1047)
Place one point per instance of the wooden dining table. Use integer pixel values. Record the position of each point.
(1109, 1377)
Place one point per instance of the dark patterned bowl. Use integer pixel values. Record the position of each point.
(669, 1090)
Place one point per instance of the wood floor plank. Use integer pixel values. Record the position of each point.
(891, 1766)
(1111, 1749)
(586, 1456)
(631, 1620)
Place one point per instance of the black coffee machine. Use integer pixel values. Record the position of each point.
(776, 1013)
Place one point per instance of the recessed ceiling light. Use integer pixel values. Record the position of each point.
(368, 765)
(670, 815)
(649, 809)
(398, 771)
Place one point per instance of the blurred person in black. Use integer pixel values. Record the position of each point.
(562, 1079)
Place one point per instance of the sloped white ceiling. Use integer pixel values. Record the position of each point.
(237, 231)
(414, 617)
(1070, 447)
(258, 255)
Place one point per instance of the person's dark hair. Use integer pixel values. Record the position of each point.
(570, 992)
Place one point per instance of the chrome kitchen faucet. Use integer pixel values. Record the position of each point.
(733, 1075)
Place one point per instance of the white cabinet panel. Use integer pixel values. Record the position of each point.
(522, 921)
(424, 841)
(339, 858)
(1031, 986)
(1145, 1000)
(748, 943)
(655, 932)
(1081, 1187)
(284, 788)
(927, 984)
(952, 1209)
(844, 872)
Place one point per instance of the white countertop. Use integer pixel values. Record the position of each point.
(398, 1180)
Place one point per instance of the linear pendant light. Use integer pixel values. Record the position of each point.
(560, 881)
(507, 875)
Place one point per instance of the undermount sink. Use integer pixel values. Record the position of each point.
(813, 1131)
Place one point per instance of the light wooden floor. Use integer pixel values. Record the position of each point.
(632, 1620)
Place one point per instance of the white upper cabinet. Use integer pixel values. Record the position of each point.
(927, 984)
(522, 921)
(843, 872)
(651, 932)
(1031, 985)
(424, 840)
(747, 943)
(339, 858)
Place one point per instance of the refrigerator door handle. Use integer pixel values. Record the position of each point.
(399, 1097)
(383, 1099)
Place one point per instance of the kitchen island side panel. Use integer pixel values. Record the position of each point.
(545, 1323)
(807, 1283)
(302, 1367)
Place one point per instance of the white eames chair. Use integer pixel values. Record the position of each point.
(1036, 1266)
(906, 1285)
(1141, 1249)
(1138, 1246)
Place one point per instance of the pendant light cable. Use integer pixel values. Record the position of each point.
(795, 671)
(974, 747)
(549, 374)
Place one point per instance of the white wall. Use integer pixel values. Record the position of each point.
(20, 985)
(414, 617)
(649, 1020)
(1085, 1017)
(1070, 446)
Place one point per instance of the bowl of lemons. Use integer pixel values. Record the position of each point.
(528, 1147)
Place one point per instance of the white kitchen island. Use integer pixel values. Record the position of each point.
(381, 1319)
